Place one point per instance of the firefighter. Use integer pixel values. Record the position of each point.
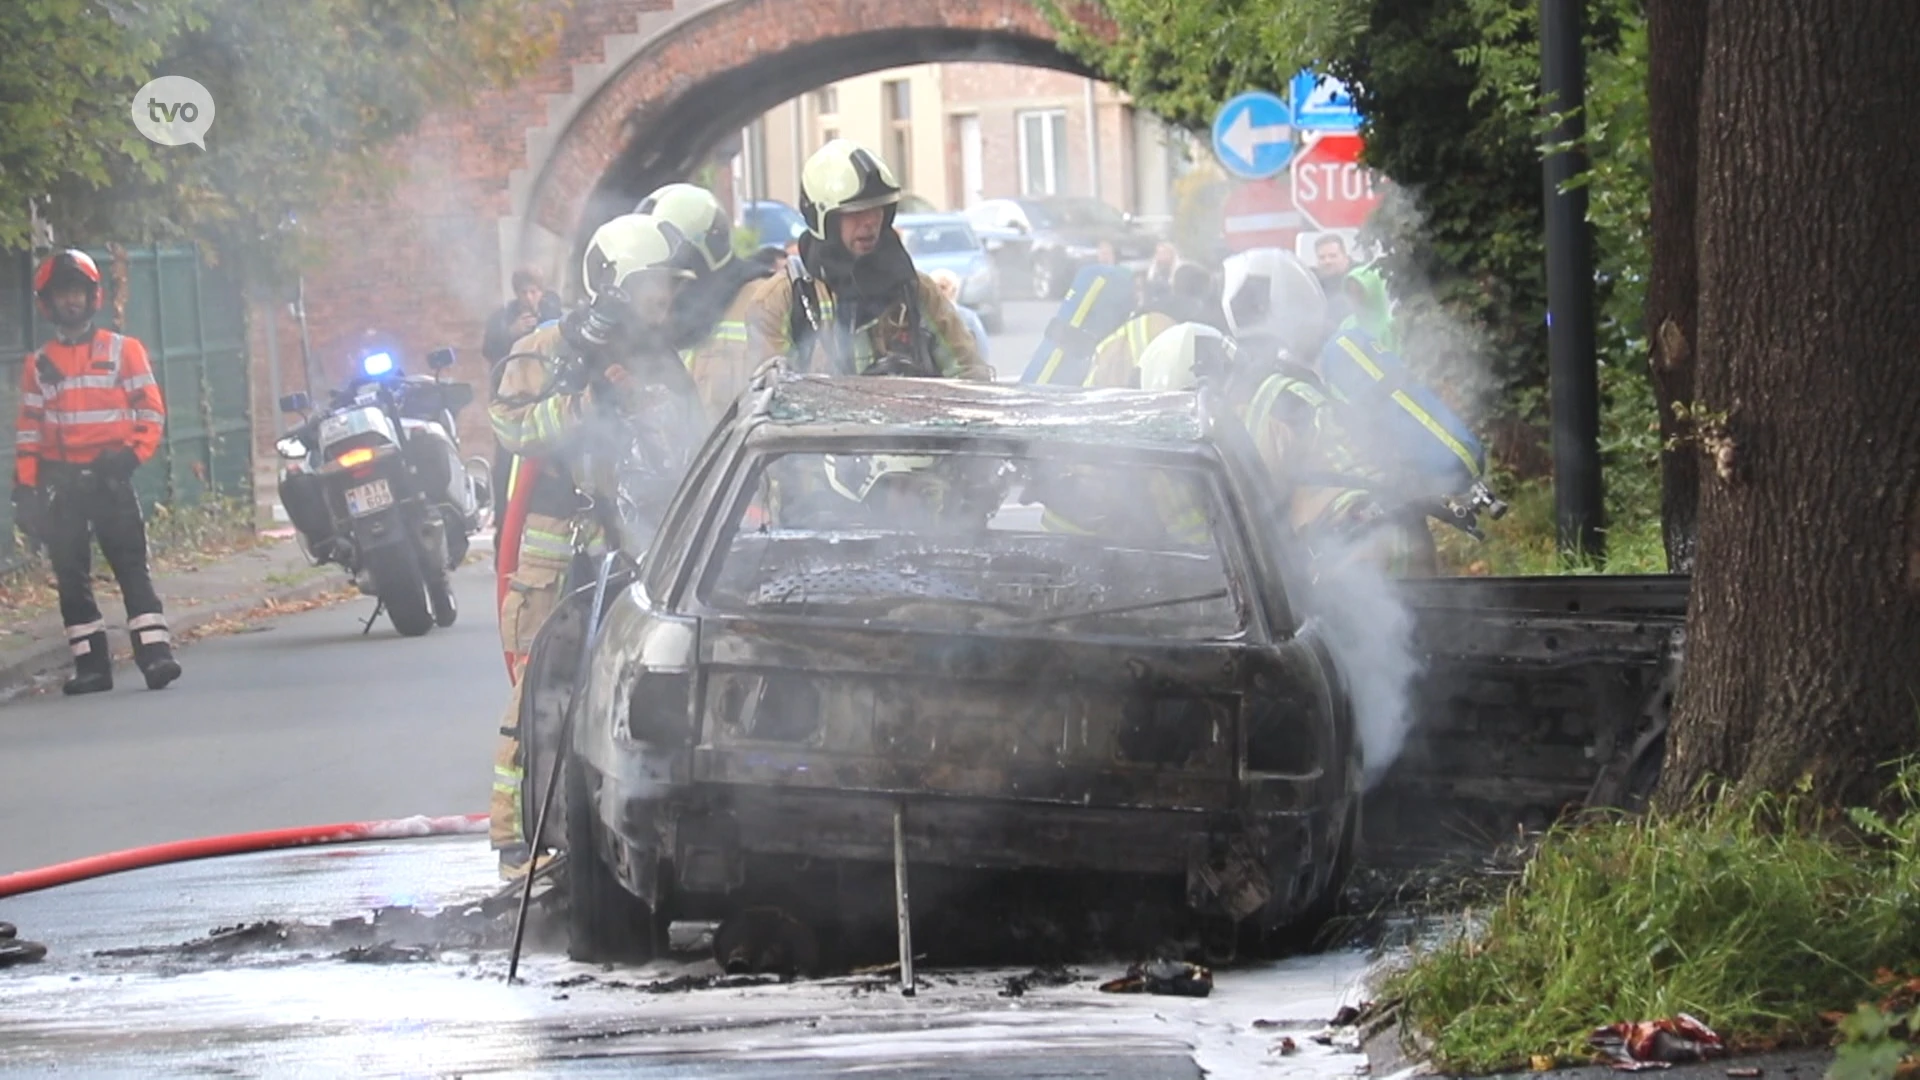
(90, 414)
(1328, 493)
(710, 321)
(568, 396)
(853, 299)
(1116, 362)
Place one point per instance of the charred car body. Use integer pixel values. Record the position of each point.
(864, 600)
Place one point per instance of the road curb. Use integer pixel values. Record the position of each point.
(23, 673)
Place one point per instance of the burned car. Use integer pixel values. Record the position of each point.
(1049, 630)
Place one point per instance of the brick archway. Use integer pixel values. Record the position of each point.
(722, 63)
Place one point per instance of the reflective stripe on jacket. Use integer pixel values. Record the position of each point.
(1294, 428)
(1117, 359)
(105, 398)
(723, 363)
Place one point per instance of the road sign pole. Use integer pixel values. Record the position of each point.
(1573, 376)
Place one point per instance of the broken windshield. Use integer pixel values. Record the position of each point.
(982, 541)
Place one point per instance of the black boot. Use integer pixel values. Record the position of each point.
(92, 669)
(156, 662)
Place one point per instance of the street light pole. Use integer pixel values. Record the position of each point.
(1573, 375)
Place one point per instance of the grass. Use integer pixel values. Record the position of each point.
(1525, 541)
(1754, 914)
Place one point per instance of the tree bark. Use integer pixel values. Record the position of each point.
(1676, 53)
(1803, 635)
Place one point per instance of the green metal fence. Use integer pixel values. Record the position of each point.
(192, 319)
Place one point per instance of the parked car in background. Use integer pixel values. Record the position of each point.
(947, 242)
(1065, 233)
(774, 223)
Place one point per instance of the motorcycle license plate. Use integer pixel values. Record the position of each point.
(367, 498)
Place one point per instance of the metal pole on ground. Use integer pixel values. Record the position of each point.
(901, 904)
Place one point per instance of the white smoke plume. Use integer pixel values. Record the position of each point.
(1362, 616)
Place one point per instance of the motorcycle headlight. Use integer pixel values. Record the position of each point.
(292, 448)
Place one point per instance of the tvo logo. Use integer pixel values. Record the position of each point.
(173, 110)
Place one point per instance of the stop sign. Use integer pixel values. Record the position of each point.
(1260, 213)
(1332, 187)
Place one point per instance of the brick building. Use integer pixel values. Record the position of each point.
(958, 133)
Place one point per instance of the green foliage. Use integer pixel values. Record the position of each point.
(745, 241)
(1753, 913)
(1881, 1040)
(307, 95)
(217, 523)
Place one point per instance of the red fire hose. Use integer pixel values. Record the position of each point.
(66, 873)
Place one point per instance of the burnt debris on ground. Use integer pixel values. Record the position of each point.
(389, 935)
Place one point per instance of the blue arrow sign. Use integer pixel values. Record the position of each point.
(1323, 103)
(1253, 135)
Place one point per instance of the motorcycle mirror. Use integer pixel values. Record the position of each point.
(296, 402)
(440, 359)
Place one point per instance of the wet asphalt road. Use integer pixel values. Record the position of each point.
(1013, 347)
(300, 721)
(119, 996)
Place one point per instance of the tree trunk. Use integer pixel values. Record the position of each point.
(1676, 52)
(1803, 635)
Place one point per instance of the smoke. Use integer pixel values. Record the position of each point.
(1359, 612)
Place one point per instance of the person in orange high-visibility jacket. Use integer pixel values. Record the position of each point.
(90, 414)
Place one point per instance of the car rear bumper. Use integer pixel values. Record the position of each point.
(1233, 861)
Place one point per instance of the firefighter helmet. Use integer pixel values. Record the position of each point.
(843, 175)
(1179, 355)
(634, 244)
(69, 267)
(1271, 295)
(697, 214)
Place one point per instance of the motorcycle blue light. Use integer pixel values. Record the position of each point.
(377, 364)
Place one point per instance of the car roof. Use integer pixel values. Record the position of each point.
(804, 405)
(932, 219)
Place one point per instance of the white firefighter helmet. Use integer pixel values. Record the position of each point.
(1271, 295)
(634, 244)
(843, 175)
(1172, 360)
(695, 212)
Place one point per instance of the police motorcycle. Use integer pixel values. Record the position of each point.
(375, 484)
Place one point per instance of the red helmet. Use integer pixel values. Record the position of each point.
(68, 267)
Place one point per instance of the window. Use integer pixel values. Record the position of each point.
(949, 539)
(826, 100)
(939, 239)
(1043, 152)
(899, 103)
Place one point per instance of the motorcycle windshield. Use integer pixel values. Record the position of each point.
(362, 420)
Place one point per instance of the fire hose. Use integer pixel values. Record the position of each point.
(67, 873)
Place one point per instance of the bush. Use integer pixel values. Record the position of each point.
(1755, 914)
